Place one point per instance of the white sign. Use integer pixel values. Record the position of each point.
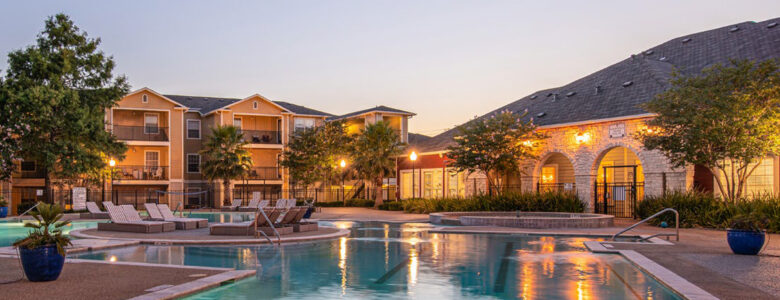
(39, 192)
(617, 130)
(79, 198)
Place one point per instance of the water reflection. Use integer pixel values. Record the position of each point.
(401, 261)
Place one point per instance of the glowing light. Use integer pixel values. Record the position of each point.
(343, 163)
(583, 137)
(414, 240)
(112, 162)
(343, 224)
(343, 264)
(413, 264)
(528, 143)
(112, 258)
(413, 156)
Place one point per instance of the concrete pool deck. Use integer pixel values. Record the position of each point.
(202, 236)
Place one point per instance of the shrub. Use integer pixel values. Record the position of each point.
(392, 206)
(546, 202)
(350, 203)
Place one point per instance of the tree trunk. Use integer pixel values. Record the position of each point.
(47, 185)
(226, 185)
(378, 192)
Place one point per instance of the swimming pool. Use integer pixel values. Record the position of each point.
(10, 231)
(405, 261)
(222, 217)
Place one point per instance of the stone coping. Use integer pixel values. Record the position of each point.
(88, 233)
(520, 219)
(192, 287)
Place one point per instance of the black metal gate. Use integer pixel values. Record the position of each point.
(617, 198)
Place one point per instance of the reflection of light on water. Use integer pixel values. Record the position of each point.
(413, 264)
(387, 245)
(112, 258)
(581, 286)
(435, 243)
(343, 224)
(414, 240)
(527, 280)
(343, 264)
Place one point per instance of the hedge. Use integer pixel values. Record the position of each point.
(545, 202)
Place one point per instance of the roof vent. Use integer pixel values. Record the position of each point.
(549, 94)
(734, 29)
(598, 89)
(569, 94)
(627, 83)
(663, 58)
(685, 40)
(533, 96)
(541, 114)
(771, 25)
(555, 97)
(648, 52)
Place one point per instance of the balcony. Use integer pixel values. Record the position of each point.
(35, 173)
(141, 172)
(264, 173)
(272, 137)
(140, 133)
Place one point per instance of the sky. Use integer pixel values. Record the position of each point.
(446, 61)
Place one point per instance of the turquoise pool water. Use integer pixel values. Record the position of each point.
(12, 231)
(405, 261)
(221, 217)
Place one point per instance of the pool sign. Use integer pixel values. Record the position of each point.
(79, 198)
(617, 130)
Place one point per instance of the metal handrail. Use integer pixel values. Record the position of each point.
(676, 223)
(270, 224)
(19, 217)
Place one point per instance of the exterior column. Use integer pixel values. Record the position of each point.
(175, 198)
(585, 190)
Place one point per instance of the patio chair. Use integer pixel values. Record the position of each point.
(265, 227)
(280, 203)
(168, 216)
(291, 203)
(133, 216)
(181, 223)
(238, 228)
(233, 206)
(120, 222)
(299, 226)
(263, 204)
(94, 212)
(252, 205)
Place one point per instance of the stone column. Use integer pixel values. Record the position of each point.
(585, 190)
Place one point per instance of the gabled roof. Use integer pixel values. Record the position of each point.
(151, 91)
(618, 90)
(204, 105)
(301, 110)
(380, 108)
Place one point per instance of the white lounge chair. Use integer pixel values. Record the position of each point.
(263, 203)
(133, 216)
(94, 212)
(120, 222)
(253, 204)
(233, 206)
(248, 227)
(168, 216)
(181, 223)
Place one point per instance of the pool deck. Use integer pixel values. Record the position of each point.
(202, 236)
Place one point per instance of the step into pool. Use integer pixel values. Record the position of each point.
(403, 261)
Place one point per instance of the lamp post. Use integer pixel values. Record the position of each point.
(343, 164)
(413, 157)
(112, 163)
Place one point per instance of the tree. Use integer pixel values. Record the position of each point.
(11, 131)
(373, 153)
(312, 155)
(225, 157)
(61, 87)
(725, 119)
(494, 145)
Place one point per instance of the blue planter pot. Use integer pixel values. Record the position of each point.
(746, 242)
(42, 263)
(3, 212)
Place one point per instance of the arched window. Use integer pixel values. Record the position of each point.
(254, 105)
(144, 98)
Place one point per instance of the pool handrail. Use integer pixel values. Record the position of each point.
(676, 223)
(271, 224)
(19, 217)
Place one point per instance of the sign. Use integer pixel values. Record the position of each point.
(617, 130)
(79, 198)
(39, 192)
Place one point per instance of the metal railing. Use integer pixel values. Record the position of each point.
(141, 172)
(271, 224)
(262, 136)
(140, 133)
(19, 217)
(676, 225)
(264, 173)
(37, 173)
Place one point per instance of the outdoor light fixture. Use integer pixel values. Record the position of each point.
(343, 163)
(583, 137)
(112, 162)
(413, 156)
(528, 143)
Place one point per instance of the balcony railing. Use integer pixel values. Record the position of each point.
(19, 173)
(141, 133)
(264, 173)
(141, 172)
(262, 136)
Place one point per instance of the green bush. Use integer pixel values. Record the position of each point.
(392, 206)
(350, 203)
(546, 202)
(704, 210)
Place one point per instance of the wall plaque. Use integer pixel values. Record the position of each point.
(617, 130)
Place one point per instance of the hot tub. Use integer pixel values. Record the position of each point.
(523, 219)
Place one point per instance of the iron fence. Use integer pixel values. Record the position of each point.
(140, 133)
(262, 136)
(618, 198)
(125, 172)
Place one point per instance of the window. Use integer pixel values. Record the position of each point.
(304, 123)
(455, 185)
(761, 181)
(193, 129)
(193, 163)
(254, 105)
(151, 124)
(28, 166)
(144, 98)
(549, 174)
(237, 122)
(152, 159)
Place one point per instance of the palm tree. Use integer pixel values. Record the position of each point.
(225, 157)
(374, 151)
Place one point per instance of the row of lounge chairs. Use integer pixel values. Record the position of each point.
(256, 204)
(288, 223)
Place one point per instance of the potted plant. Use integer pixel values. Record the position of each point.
(747, 234)
(42, 252)
(3, 207)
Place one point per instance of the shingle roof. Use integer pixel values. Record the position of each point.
(380, 108)
(617, 90)
(302, 110)
(203, 104)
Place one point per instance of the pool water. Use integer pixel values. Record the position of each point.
(405, 261)
(222, 217)
(11, 231)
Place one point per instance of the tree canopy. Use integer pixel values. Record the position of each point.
(225, 157)
(495, 145)
(61, 88)
(312, 154)
(373, 153)
(725, 119)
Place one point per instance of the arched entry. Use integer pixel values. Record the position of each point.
(556, 173)
(619, 183)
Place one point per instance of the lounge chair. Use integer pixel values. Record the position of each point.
(263, 203)
(252, 205)
(133, 216)
(94, 212)
(181, 223)
(299, 226)
(168, 216)
(245, 228)
(273, 215)
(120, 222)
(233, 206)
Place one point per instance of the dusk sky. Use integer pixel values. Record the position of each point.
(447, 61)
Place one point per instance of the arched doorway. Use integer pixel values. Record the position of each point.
(556, 173)
(619, 183)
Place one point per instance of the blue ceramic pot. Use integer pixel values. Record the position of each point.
(42, 263)
(746, 242)
(3, 212)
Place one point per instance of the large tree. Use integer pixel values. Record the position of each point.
(61, 87)
(725, 119)
(495, 145)
(312, 155)
(225, 157)
(373, 153)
